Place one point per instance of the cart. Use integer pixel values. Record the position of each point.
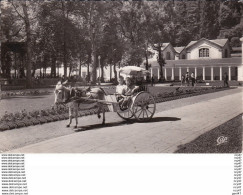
(142, 105)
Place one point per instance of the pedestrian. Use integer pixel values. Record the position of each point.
(193, 79)
(187, 78)
(182, 79)
(152, 81)
(226, 79)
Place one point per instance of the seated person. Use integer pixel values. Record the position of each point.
(129, 91)
(120, 87)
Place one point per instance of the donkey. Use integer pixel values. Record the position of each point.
(76, 97)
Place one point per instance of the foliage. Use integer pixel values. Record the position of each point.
(75, 33)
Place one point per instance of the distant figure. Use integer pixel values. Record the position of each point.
(226, 79)
(87, 78)
(182, 79)
(187, 78)
(152, 81)
(193, 79)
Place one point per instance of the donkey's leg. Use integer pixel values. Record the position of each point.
(99, 111)
(76, 115)
(70, 116)
(103, 111)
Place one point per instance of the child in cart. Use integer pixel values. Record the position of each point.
(120, 88)
(127, 93)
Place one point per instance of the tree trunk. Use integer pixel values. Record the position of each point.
(115, 72)
(88, 74)
(70, 70)
(110, 72)
(64, 42)
(93, 44)
(53, 66)
(146, 60)
(33, 72)
(160, 61)
(94, 67)
(8, 65)
(80, 66)
(102, 71)
(33, 68)
(28, 45)
(94, 58)
(102, 74)
(21, 68)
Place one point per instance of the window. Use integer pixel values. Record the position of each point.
(204, 52)
(168, 56)
(183, 56)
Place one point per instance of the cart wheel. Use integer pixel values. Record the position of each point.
(143, 106)
(128, 114)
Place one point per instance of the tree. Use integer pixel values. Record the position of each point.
(161, 29)
(209, 24)
(26, 12)
(134, 25)
(235, 42)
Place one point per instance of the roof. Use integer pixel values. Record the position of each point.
(164, 45)
(237, 61)
(191, 43)
(218, 42)
(179, 49)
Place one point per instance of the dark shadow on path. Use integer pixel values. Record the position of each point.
(120, 123)
(161, 119)
(97, 126)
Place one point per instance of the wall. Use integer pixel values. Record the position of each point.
(226, 46)
(183, 52)
(170, 49)
(214, 51)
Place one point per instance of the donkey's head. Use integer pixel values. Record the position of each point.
(60, 93)
(59, 96)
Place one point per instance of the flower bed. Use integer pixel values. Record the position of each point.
(8, 94)
(24, 118)
(180, 93)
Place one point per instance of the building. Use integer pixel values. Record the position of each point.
(208, 49)
(208, 59)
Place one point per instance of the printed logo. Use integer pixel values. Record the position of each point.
(222, 140)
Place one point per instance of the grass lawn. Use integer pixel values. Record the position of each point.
(208, 142)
